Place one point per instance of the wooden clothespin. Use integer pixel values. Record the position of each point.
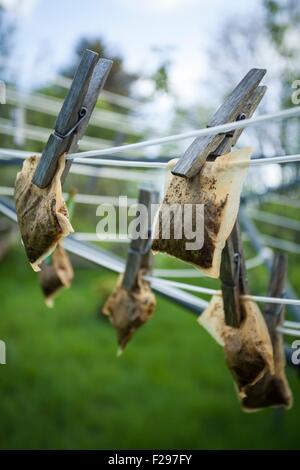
(139, 253)
(74, 116)
(240, 104)
(233, 275)
(274, 313)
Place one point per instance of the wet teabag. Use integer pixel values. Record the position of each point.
(56, 275)
(218, 188)
(248, 349)
(42, 213)
(128, 310)
(271, 390)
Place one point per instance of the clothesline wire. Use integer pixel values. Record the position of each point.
(209, 291)
(258, 120)
(8, 153)
(168, 288)
(274, 219)
(149, 164)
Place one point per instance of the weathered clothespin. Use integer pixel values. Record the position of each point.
(240, 104)
(274, 313)
(74, 116)
(139, 253)
(233, 275)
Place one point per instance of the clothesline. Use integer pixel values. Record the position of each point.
(209, 291)
(168, 288)
(287, 331)
(258, 120)
(9, 153)
(149, 164)
(275, 219)
(283, 200)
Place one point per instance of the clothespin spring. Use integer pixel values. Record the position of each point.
(81, 116)
(146, 248)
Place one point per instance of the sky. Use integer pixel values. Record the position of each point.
(48, 31)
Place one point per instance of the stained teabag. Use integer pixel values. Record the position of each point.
(42, 213)
(217, 188)
(271, 390)
(128, 310)
(56, 275)
(248, 349)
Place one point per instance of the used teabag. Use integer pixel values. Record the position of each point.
(56, 275)
(197, 214)
(128, 310)
(42, 213)
(271, 390)
(248, 349)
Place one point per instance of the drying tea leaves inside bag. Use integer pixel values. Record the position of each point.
(271, 390)
(216, 189)
(56, 275)
(248, 349)
(128, 310)
(42, 213)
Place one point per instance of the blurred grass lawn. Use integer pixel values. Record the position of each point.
(64, 387)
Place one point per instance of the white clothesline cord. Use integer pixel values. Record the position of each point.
(292, 324)
(274, 219)
(92, 199)
(120, 100)
(274, 242)
(288, 331)
(10, 153)
(118, 163)
(51, 105)
(94, 237)
(280, 115)
(149, 164)
(6, 191)
(168, 287)
(283, 200)
(284, 245)
(88, 170)
(41, 134)
(115, 173)
(209, 291)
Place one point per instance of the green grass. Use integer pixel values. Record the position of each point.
(64, 387)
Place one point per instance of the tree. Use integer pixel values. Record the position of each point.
(268, 39)
(7, 29)
(119, 80)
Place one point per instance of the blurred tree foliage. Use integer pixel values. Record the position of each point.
(269, 38)
(7, 29)
(282, 21)
(119, 80)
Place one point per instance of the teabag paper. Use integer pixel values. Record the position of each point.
(56, 275)
(256, 370)
(218, 188)
(42, 213)
(128, 310)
